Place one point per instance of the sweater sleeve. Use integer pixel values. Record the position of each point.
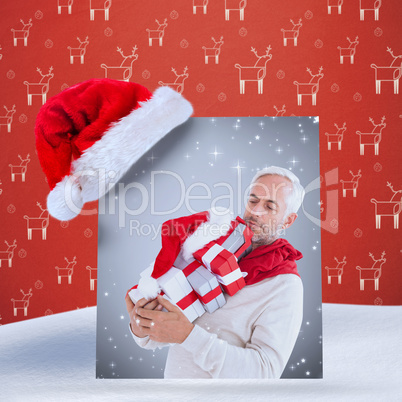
(274, 334)
(146, 342)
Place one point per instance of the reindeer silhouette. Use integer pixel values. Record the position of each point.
(235, 5)
(124, 71)
(370, 5)
(22, 33)
(157, 33)
(310, 88)
(22, 304)
(337, 137)
(292, 33)
(178, 83)
(78, 51)
(352, 184)
(213, 51)
(99, 5)
(348, 51)
(9, 253)
(200, 3)
(373, 138)
(20, 169)
(337, 271)
(93, 276)
(373, 273)
(256, 72)
(8, 118)
(64, 3)
(40, 88)
(39, 223)
(280, 112)
(392, 207)
(335, 3)
(393, 72)
(66, 272)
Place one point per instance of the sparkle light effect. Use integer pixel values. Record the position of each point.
(152, 158)
(238, 167)
(216, 153)
(237, 125)
(293, 161)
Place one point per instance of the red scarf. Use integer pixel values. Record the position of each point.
(270, 260)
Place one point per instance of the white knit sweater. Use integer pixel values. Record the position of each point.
(251, 336)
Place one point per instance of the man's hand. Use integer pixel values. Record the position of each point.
(134, 320)
(170, 327)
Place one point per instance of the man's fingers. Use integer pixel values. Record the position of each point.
(166, 303)
(150, 314)
(142, 302)
(151, 305)
(144, 323)
(129, 303)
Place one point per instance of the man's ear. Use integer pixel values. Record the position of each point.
(289, 220)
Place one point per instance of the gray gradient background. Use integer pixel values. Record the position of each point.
(250, 142)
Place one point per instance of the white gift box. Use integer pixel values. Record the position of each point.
(204, 283)
(178, 291)
(175, 285)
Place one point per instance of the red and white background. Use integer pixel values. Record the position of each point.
(340, 60)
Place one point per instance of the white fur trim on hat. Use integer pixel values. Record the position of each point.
(65, 202)
(147, 285)
(217, 225)
(127, 140)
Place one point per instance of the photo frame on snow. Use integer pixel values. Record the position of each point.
(202, 163)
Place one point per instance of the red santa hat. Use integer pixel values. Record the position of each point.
(89, 135)
(184, 236)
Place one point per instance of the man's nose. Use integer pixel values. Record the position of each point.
(257, 210)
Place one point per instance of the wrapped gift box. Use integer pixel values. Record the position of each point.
(239, 241)
(207, 288)
(176, 287)
(177, 290)
(223, 264)
(203, 282)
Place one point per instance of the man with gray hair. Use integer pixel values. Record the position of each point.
(253, 334)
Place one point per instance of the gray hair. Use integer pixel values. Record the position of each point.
(295, 198)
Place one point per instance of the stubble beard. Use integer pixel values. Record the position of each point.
(267, 234)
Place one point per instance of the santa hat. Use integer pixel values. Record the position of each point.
(89, 135)
(184, 236)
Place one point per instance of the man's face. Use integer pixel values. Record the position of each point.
(266, 207)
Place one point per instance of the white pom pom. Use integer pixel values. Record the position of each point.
(65, 202)
(148, 287)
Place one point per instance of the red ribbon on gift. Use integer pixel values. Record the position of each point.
(210, 295)
(191, 268)
(187, 301)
